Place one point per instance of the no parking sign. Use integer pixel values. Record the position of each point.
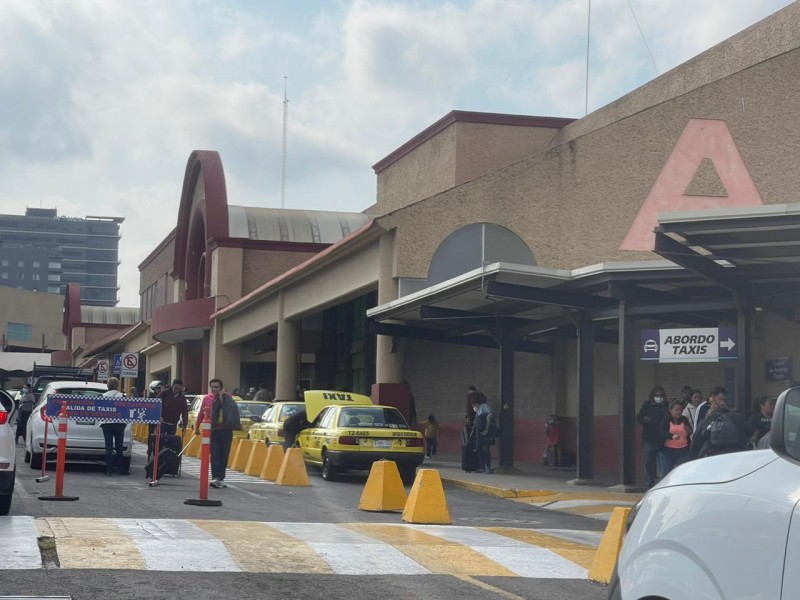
(130, 365)
(102, 370)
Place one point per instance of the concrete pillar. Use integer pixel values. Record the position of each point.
(389, 350)
(286, 358)
(224, 362)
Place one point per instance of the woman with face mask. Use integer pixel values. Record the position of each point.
(651, 415)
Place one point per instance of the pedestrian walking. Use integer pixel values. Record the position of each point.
(114, 435)
(263, 394)
(651, 416)
(224, 421)
(721, 431)
(431, 436)
(173, 408)
(761, 419)
(26, 403)
(690, 410)
(677, 432)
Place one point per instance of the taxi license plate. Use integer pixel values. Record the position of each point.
(382, 443)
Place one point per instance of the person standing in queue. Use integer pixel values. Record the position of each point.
(26, 404)
(114, 434)
(173, 408)
(651, 415)
(224, 420)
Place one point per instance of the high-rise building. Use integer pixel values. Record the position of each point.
(44, 252)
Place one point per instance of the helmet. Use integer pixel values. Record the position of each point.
(154, 385)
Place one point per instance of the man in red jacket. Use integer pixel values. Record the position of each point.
(224, 413)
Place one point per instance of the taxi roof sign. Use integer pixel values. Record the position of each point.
(316, 400)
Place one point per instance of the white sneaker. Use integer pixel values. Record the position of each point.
(214, 483)
(221, 484)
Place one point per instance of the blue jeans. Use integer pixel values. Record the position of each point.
(113, 434)
(484, 454)
(431, 444)
(650, 454)
(673, 457)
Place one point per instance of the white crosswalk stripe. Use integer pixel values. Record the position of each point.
(233, 546)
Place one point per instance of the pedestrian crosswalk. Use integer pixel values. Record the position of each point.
(275, 547)
(191, 466)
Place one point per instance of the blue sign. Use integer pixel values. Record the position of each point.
(117, 364)
(706, 344)
(106, 408)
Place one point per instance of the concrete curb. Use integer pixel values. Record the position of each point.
(495, 491)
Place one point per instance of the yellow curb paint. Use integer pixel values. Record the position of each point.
(606, 497)
(581, 554)
(607, 552)
(498, 492)
(258, 548)
(594, 509)
(93, 544)
(436, 554)
(257, 457)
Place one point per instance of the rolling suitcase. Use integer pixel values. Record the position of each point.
(169, 455)
(469, 458)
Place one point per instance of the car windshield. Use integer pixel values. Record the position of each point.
(288, 410)
(248, 409)
(372, 416)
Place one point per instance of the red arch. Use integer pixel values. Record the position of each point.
(201, 221)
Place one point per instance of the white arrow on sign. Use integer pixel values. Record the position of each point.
(728, 344)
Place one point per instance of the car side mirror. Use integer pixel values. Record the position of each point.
(784, 435)
(255, 418)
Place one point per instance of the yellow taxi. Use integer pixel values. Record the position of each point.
(247, 408)
(348, 431)
(269, 427)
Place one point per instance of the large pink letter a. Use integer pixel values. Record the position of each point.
(701, 139)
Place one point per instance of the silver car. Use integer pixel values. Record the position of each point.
(723, 527)
(8, 451)
(84, 438)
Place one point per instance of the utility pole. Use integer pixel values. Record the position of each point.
(285, 121)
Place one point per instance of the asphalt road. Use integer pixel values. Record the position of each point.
(247, 501)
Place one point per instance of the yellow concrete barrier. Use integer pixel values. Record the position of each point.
(232, 454)
(293, 469)
(187, 437)
(257, 457)
(426, 502)
(195, 448)
(605, 559)
(272, 465)
(242, 455)
(384, 489)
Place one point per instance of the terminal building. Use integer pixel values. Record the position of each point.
(543, 260)
(43, 252)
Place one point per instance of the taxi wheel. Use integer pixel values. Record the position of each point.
(328, 469)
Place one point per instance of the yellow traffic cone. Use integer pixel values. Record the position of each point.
(293, 469)
(257, 457)
(426, 502)
(272, 466)
(384, 489)
(234, 449)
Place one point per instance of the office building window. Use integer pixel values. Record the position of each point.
(35, 277)
(53, 289)
(36, 264)
(20, 275)
(3, 275)
(54, 277)
(54, 264)
(4, 263)
(22, 332)
(20, 263)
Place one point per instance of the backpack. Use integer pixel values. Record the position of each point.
(723, 431)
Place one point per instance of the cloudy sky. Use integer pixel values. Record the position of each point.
(103, 100)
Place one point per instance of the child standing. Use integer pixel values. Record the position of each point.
(431, 433)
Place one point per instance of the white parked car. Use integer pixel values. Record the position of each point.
(721, 528)
(8, 451)
(84, 438)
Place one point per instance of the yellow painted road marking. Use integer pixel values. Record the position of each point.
(599, 496)
(489, 588)
(259, 548)
(593, 509)
(578, 553)
(434, 553)
(93, 544)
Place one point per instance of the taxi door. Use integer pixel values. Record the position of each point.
(311, 438)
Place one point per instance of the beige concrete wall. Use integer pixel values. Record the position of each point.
(226, 275)
(139, 342)
(252, 321)
(574, 204)
(428, 170)
(260, 266)
(160, 361)
(43, 312)
(482, 147)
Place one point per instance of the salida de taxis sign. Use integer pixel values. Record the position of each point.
(707, 344)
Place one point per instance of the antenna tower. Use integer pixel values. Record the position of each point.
(285, 121)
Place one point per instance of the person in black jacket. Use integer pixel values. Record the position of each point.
(651, 416)
(703, 442)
